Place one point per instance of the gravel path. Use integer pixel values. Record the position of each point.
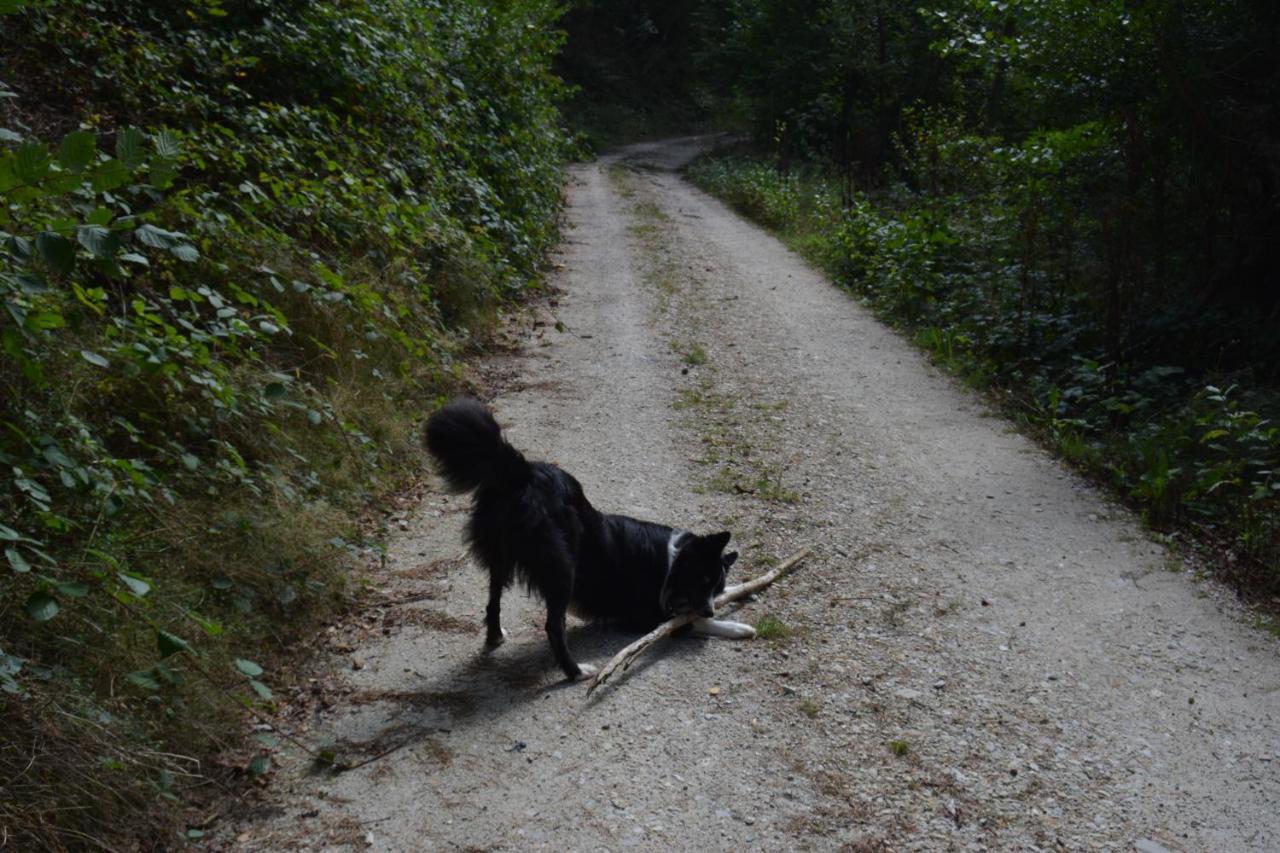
(982, 652)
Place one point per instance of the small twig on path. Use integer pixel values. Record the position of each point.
(623, 658)
(392, 602)
(338, 766)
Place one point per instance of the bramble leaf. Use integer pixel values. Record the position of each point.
(77, 150)
(129, 148)
(170, 644)
(137, 586)
(42, 607)
(248, 667)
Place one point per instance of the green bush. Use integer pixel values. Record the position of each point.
(242, 245)
(989, 255)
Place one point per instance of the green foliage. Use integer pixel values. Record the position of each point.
(991, 270)
(755, 188)
(240, 248)
(633, 68)
(1058, 198)
(770, 627)
(695, 355)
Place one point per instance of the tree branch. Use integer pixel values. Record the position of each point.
(624, 658)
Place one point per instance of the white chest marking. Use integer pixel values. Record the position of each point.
(673, 548)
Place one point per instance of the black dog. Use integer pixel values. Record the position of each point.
(531, 521)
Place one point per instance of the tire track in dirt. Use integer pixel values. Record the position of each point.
(982, 653)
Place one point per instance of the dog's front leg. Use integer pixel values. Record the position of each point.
(574, 671)
(723, 628)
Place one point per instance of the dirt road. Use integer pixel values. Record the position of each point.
(982, 653)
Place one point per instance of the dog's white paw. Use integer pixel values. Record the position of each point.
(585, 671)
(735, 630)
(723, 629)
(492, 643)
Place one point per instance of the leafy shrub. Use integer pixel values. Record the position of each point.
(227, 287)
(989, 254)
(755, 188)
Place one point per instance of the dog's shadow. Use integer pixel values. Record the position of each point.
(479, 688)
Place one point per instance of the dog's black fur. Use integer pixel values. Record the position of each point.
(531, 521)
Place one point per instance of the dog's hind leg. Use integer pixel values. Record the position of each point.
(494, 636)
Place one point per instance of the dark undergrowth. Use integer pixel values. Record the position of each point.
(243, 245)
(991, 265)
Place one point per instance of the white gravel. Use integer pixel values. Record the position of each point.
(983, 652)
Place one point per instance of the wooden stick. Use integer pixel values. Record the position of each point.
(624, 658)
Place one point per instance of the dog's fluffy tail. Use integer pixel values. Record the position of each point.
(468, 444)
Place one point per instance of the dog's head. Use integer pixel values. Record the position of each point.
(697, 575)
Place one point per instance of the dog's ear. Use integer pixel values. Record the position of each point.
(718, 540)
(729, 558)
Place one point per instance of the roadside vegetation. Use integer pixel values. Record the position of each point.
(634, 69)
(242, 246)
(1071, 204)
(1193, 445)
